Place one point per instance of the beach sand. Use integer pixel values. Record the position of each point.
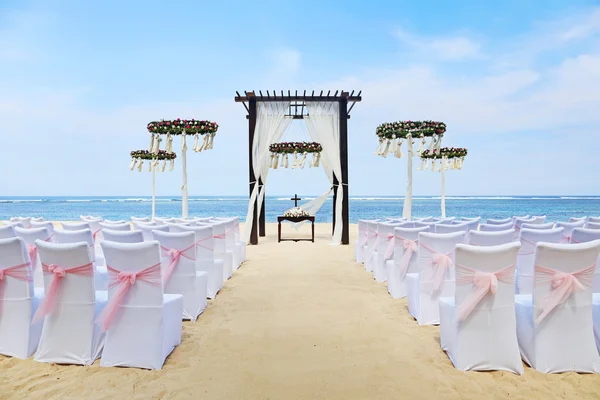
(296, 321)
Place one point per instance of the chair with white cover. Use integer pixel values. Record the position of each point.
(140, 219)
(496, 238)
(30, 236)
(115, 226)
(361, 241)
(495, 227)
(593, 225)
(85, 235)
(239, 244)
(525, 261)
(385, 236)
(577, 219)
(538, 219)
(554, 324)
(90, 218)
(122, 236)
(178, 262)
(75, 226)
(568, 228)
(115, 221)
(18, 336)
(581, 235)
(435, 278)
(230, 242)
(205, 257)
(142, 324)
(7, 232)
(470, 219)
(515, 218)
(44, 224)
(220, 248)
(520, 221)
(147, 229)
(492, 221)
(405, 256)
(595, 220)
(25, 221)
(546, 225)
(478, 328)
(37, 219)
(371, 246)
(443, 228)
(70, 305)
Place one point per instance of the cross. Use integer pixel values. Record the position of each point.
(295, 198)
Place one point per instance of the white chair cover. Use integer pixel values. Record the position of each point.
(435, 278)
(495, 227)
(122, 236)
(30, 236)
(18, 336)
(406, 255)
(178, 250)
(115, 226)
(538, 219)
(359, 245)
(75, 226)
(37, 219)
(580, 235)
(524, 217)
(140, 219)
(220, 248)
(25, 221)
(371, 246)
(568, 228)
(147, 324)
(554, 325)
(496, 238)
(463, 227)
(48, 225)
(529, 238)
(595, 220)
(115, 222)
(7, 232)
(547, 225)
(147, 229)
(492, 221)
(230, 242)
(385, 236)
(577, 219)
(593, 225)
(69, 335)
(478, 325)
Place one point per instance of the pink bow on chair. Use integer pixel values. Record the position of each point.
(20, 272)
(531, 247)
(363, 240)
(410, 246)
(32, 250)
(563, 285)
(441, 263)
(125, 280)
(175, 256)
(58, 273)
(483, 283)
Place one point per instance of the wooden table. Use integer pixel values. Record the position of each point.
(295, 219)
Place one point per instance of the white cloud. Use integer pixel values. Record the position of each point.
(450, 48)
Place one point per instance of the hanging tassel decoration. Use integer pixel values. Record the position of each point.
(318, 160)
(422, 164)
(421, 144)
(195, 146)
(431, 145)
(276, 161)
(433, 165)
(172, 165)
(387, 149)
(164, 165)
(211, 139)
(440, 166)
(438, 144)
(156, 144)
(169, 144)
(140, 165)
(155, 164)
(150, 165)
(303, 160)
(394, 144)
(152, 139)
(398, 151)
(286, 161)
(427, 165)
(133, 163)
(380, 147)
(295, 164)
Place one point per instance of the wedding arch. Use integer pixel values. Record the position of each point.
(326, 116)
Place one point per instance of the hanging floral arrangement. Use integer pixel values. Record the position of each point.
(299, 150)
(296, 212)
(169, 128)
(139, 156)
(449, 158)
(392, 134)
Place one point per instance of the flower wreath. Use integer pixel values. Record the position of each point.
(391, 135)
(296, 212)
(299, 150)
(138, 157)
(450, 158)
(182, 127)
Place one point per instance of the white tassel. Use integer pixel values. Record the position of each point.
(287, 161)
(433, 165)
(439, 168)
(276, 161)
(172, 165)
(446, 164)
(387, 149)
(398, 151)
(211, 139)
(394, 144)
(140, 165)
(156, 145)
(133, 163)
(379, 150)
(195, 146)
(151, 143)
(150, 165)
(421, 144)
(169, 144)
(462, 160)
(164, 166)
(295, 164)
(155, 164)
(303, 160)
(438, 144)
(318, 160)
(427, 165)
(422, 164)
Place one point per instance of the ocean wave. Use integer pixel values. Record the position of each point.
(21, 201)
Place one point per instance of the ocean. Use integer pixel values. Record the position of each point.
(556, 208)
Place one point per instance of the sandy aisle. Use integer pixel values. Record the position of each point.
(297, 321)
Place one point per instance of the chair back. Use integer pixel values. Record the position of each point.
(525, 261)
(83, 235)
(371, 233)
(204, 242)
(520, 221)
(470, 219)
(444, 228)
(179, 272)
(123, 236)
(90, 218)
(493, 221)
(32, 234)
(115, 221)
(147, 229)
(25, 221)
(140, 219)
(593, 225)
(14, 256)
(577, 219)
(406, 248)
(546, 225)
(76, 226)
(436, 250)
(582, 235)
(115, 226)
(7, 232)
(568, 228)
(44, 224)
(421, 219)
(495, 238)
(495, 227)
(595, 220)
(538, 219)
(515, 218)
(220, 242)
(177, 227)
(385, 233)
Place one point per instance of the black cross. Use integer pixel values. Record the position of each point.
(296, 198)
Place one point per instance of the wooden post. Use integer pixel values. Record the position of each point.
(261, 218)
(344, 162)
(335, 189)
(252, 127)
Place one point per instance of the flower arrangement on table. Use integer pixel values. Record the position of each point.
(391, 135)
(300, 150)
(450, 158)
(138, 157)
(197, 128)
(296, 212)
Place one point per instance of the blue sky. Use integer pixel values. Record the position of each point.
(518, 84)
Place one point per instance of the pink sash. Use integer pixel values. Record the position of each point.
(95, 234)
(220, 236)
(364, 238)
(441, 263)
(125, 280)
(58, 273)
(410, 246)
(199, 243)
(20, 272)
(175, 254)
(563, 284)
(32, 250)
(523, 251)
(483, 283)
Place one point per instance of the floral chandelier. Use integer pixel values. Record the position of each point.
(300, 150)
(138, 157)
(391, 135)
(450, 158)
(192, 127)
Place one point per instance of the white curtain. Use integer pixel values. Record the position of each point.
(444, 162)
(271, 124)
(407, 210)
(323, 122)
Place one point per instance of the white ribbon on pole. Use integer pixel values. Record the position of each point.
(444, 163)
(184, 190)
(407, 210)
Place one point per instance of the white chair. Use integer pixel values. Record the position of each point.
(495, 227)
(547, 225)
(477, 325)
(492, 221)
(220, 248)
(385, 236)
(25, 221)
(520, 221)
(577, 219)
(443, 228)
(143, 325)
(515, 218)
(30, 236)
(85, 235)
(147, 229)
(230, 242)
(115, 221)
(538, 219)
(496, 238)
(554, 325)
(70, 305)
(371, 245)
(595, 220)
(205, 257)
(435, 278)
(359, 245)
(239, 244)
(581, 235)
(90, 218)
(593, 225)
(529, 239)
(470, 219)
(140, 219)
(48, 225)
(178, 261)
(37, 219)
(18, 336)
(115, 226)
(7, 232)
(568, 228)
(405, 257)
(75, 226)
(123, 236)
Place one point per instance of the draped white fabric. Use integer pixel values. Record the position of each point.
(444, 162)
(407, 210)
(323, 122)
(184, 189)
(271, 124)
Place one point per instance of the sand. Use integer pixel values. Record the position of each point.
(296, 321)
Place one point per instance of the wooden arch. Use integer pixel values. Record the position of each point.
(298, 110)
